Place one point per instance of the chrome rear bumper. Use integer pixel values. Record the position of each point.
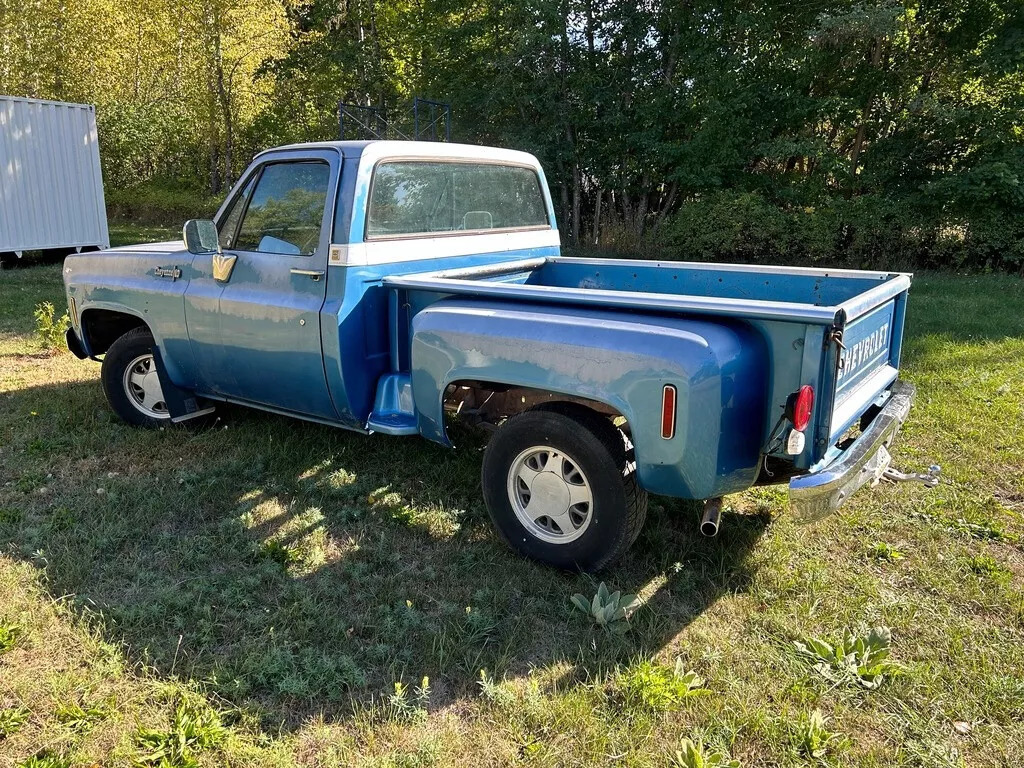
(815, 495)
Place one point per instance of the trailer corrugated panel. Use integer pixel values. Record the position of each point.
(51, 188)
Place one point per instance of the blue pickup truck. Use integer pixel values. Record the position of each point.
(390, 287)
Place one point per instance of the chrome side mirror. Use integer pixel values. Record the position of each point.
(201, 236)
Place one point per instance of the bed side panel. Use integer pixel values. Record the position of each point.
(622, 360)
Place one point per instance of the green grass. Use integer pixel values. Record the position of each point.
(250, 593)
(130, 233)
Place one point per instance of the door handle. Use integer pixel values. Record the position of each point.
(310, 273)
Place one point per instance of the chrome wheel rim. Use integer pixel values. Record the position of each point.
(550, 495)
(142, 385)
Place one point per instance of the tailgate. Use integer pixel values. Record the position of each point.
(868, 361)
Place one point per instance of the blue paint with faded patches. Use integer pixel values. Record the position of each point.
(623, 361)
(373, 338)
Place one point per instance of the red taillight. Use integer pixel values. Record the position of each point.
(668, 412)
(799, 406)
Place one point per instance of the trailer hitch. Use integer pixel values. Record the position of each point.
(929, 478)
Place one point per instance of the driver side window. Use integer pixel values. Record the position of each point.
(285, 210)
(229, 224)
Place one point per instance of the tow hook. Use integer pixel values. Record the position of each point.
(930, 479)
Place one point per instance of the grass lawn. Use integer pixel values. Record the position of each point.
(129, 233)
(267, 592)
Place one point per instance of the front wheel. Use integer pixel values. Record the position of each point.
(131, 383)
(560, 490)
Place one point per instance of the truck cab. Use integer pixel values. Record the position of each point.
(387, 287)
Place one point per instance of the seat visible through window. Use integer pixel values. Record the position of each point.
(286, 210)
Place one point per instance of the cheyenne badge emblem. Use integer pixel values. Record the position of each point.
(222, 266)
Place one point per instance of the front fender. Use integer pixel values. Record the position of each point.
(144, 281)
(619, 359)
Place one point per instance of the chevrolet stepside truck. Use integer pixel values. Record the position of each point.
(389, 287)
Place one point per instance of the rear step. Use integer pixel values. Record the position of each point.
(393, 410)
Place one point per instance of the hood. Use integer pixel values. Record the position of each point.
(116, 264)
(149, 249)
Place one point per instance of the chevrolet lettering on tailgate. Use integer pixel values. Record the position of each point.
(865, 352)
(866, 348)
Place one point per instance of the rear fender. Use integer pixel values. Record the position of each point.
(621, 360)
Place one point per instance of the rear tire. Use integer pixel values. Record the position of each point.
(560, 490)
(130, 381)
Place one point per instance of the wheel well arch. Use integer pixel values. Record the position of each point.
(102, 327)
(488, 403)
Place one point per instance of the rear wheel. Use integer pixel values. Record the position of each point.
(560, 490)
(131, 383)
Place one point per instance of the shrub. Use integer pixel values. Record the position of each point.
(871, 230)
(161, 205)
(50, 331)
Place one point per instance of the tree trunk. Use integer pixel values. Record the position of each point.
(565, 204)
(576, 202)
(666, 204)
(858, 142)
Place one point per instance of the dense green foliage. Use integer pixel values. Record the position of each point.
(827, 131)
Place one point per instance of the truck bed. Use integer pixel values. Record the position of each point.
(837, 330)
(787, 293)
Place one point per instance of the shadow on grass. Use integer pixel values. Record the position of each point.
(299, 569)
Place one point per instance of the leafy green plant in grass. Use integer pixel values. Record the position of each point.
(495, 692)
(656, 687)
(813, 738)
(50, 330)
(46, 759)
(986, 565)
(9, 635)
(882, 551)
(610, 611)
(10, 516)
(862, 659)
(696, 755)
(404, 707)
(80, 718)
(11, 719)
(277, 552)
(194, 729)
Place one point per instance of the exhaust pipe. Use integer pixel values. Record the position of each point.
(712, 515)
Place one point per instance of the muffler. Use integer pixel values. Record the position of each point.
(712, 515)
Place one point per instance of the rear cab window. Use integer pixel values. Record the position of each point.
(417, 198)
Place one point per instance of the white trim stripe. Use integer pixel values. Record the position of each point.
(424, 248)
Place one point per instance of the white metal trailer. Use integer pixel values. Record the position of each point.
(51, 187)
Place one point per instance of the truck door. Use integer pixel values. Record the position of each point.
(254, 324)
